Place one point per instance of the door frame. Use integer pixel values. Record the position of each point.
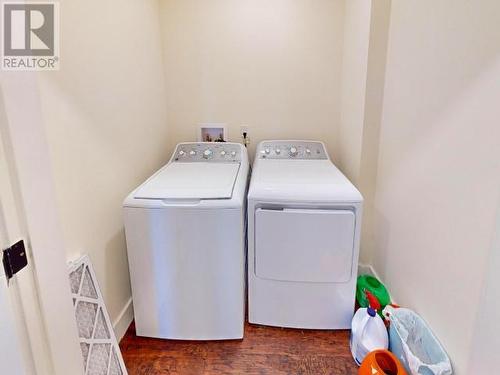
(15, 312)
(28, 159)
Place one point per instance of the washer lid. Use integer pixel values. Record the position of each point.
(191, 181)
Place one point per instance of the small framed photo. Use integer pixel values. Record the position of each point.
(212, 133)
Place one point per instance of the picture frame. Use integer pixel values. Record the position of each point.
(212, 133)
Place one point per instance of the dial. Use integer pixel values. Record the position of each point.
(223, 153)
(293, 151)
(308, 152)
(278, 151)
(233, 153)
(267, 150)
(182, 153)
(207, 153)
(192, 152)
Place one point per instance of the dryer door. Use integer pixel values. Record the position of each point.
(304, 245)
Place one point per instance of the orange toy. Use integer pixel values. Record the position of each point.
(381, 362)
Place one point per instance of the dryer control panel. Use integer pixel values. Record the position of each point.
(207, 151)
(304, 150)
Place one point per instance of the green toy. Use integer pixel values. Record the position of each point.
(375, 287)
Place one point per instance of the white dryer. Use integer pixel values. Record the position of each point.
(304, 222)
(185, 230)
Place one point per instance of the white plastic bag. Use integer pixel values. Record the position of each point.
(414, 344)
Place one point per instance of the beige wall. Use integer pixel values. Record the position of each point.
(273, 66)
(366, 29)
(418, 135)
(438, 177)
(106, 125)
(354, 76)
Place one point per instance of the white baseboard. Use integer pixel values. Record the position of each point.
(122, 322)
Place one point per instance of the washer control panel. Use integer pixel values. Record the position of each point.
(304, 150)
(212, 152)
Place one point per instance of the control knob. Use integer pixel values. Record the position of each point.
(293, 151)
(223, 153)
(207, 153)
(182, 153)
(192, 152)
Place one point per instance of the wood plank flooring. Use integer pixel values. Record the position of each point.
(264, 350)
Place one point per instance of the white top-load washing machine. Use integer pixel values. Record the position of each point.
(304, 221)
(185, 230)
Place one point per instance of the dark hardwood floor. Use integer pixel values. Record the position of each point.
(264, 350)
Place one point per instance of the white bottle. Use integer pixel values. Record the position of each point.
(368, 333)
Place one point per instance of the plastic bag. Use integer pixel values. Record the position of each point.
(411, 341)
